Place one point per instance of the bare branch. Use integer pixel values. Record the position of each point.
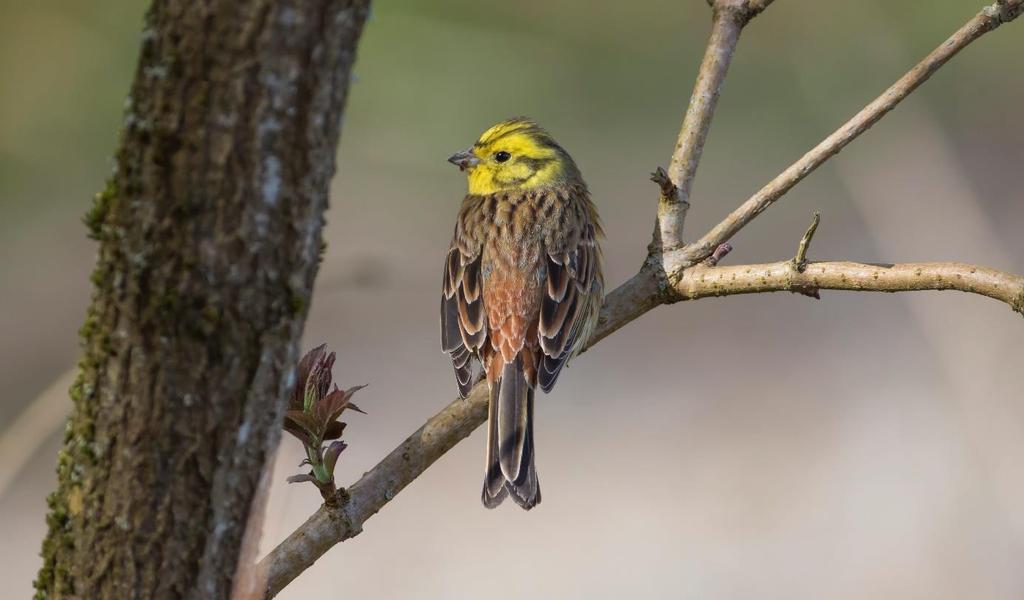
(728, 21)
(328, 526)
(669, 276)
(702, 282)
(988, 19)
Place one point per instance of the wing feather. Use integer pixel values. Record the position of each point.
(568, 312)
(463, 319)
(557, 279)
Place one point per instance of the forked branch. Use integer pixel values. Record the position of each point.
(985, 21)
(328, 525)
(728, 19)
(675, 272)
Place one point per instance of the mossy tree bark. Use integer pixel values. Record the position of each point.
(209, 236)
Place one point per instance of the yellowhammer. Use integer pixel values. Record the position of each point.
(522, 287)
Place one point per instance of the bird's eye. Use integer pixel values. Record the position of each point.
(502, 156)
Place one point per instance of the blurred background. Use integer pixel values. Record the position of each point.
(860, 446)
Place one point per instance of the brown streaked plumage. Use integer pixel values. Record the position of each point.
(522, 288)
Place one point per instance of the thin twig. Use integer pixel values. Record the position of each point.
(800, 260)
(985, 21)
(702, 282)
(328, 526)
(671, 277)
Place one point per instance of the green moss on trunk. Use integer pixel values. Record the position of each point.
(205, 270)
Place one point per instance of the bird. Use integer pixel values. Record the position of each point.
(522, 288)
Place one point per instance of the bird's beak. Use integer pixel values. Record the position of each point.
(464, 160)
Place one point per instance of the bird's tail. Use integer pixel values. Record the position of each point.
(510, 466)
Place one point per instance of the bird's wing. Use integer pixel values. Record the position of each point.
(568, 310)
(463, 319)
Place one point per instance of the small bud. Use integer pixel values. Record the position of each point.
(331, 455)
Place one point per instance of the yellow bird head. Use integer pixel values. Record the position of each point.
(515, 155)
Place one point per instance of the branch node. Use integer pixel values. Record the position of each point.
(800, 260)
(669, 191)
(745, 10)
(338, 498)
(809, 291)
(1018, 303)
(718, 254)
(1004, 11)
(672, 208)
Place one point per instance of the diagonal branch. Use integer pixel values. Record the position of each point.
(673, 276)
(328, 525)
(985, 21)
(377, 487)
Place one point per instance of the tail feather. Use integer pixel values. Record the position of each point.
(494, 480)
(510, 457)
(526, 490)
(512, 418)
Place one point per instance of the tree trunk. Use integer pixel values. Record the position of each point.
(209, 234)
